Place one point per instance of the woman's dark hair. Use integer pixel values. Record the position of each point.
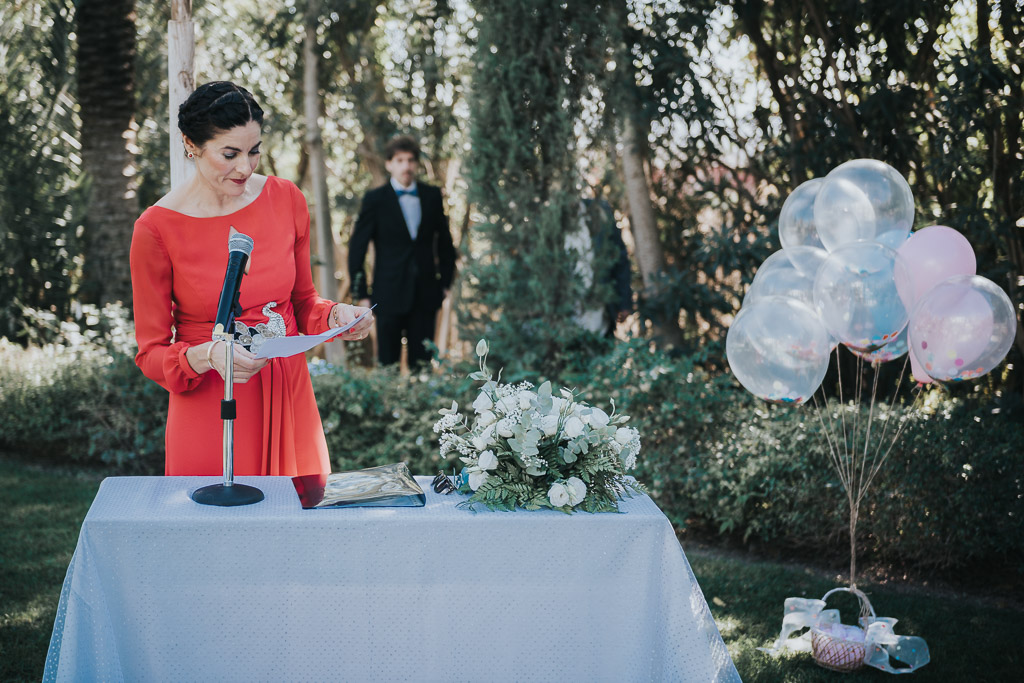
(216, 107)
(402, 143)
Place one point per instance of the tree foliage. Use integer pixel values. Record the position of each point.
(40, 201)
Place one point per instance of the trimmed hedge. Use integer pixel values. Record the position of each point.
(713, 457)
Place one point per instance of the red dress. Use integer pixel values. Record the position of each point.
(177, 264)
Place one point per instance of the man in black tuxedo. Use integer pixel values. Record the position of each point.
(414, 258)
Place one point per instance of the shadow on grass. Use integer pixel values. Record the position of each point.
(43, 513)
(967, 642)
(44, 509)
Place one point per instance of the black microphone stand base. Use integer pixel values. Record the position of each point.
(226, 495)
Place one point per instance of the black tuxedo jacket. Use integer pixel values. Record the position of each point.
(404, 271)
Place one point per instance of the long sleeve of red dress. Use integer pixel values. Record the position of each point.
(177, 264)
(160, 358)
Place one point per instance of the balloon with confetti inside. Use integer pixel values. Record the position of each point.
(855, 290)
(962, 328)
(891, 351)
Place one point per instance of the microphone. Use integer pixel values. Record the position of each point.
(239, 248)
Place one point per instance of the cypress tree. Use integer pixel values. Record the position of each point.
(531, 70)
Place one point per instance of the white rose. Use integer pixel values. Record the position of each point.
(577, 490)
(483, 402)
(525, 397)
(488, 434)
(557, 404)
(598, 418)
(558, 495)
(479, 442)
(508, 404)
(486, 418)
(623, 435)
(573, 427)
(549, 425)
(477, 479)
(505, 429)
(488, 460)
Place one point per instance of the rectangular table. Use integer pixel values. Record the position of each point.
(161, 588)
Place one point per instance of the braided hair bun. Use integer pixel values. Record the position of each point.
(216, 107)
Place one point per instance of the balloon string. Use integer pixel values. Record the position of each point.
(842, 407)
(915, 408)
(861, 489)
(827, 431)
(856, 415)
(889, 415)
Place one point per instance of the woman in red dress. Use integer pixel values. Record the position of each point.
(178, 256)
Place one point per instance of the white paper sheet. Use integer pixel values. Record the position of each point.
(282, 347)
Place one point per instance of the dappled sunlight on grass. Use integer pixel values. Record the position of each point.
(967, 641)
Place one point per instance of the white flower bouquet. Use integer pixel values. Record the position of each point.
(529, 448)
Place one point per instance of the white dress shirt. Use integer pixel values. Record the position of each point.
(411, 209)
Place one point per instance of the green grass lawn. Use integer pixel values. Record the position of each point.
(969, 639)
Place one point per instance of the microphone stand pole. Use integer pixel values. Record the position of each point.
(228, 493)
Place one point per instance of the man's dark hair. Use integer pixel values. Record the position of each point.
(214, 108)
(402, 143)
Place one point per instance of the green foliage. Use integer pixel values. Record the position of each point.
(82, 399)
(377, 417)
(713, 458)
(523, 180)
(717, 460)
(40, 197)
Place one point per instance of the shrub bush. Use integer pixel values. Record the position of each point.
(714, 458)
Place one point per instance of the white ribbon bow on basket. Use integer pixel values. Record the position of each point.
(808, 627)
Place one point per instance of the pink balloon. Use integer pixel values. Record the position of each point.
(933, 254)
(918, 371)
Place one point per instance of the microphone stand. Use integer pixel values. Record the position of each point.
(228, 493)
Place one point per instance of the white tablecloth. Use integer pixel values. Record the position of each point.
(163, 589)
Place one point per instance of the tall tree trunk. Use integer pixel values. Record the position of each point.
(106, 95)
(181, 81)
(649, 254)
(327, 283)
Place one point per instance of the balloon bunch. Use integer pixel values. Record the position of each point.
(850, 273)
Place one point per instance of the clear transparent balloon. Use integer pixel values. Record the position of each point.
(855, 291)
(778, 349)
(864, 199)
(796, 222)
(777, 276)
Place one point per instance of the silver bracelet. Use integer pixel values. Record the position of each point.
(209, 354)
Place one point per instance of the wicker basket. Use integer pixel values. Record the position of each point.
(839, 647)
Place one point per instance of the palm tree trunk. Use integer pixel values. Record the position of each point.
(106, 96)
